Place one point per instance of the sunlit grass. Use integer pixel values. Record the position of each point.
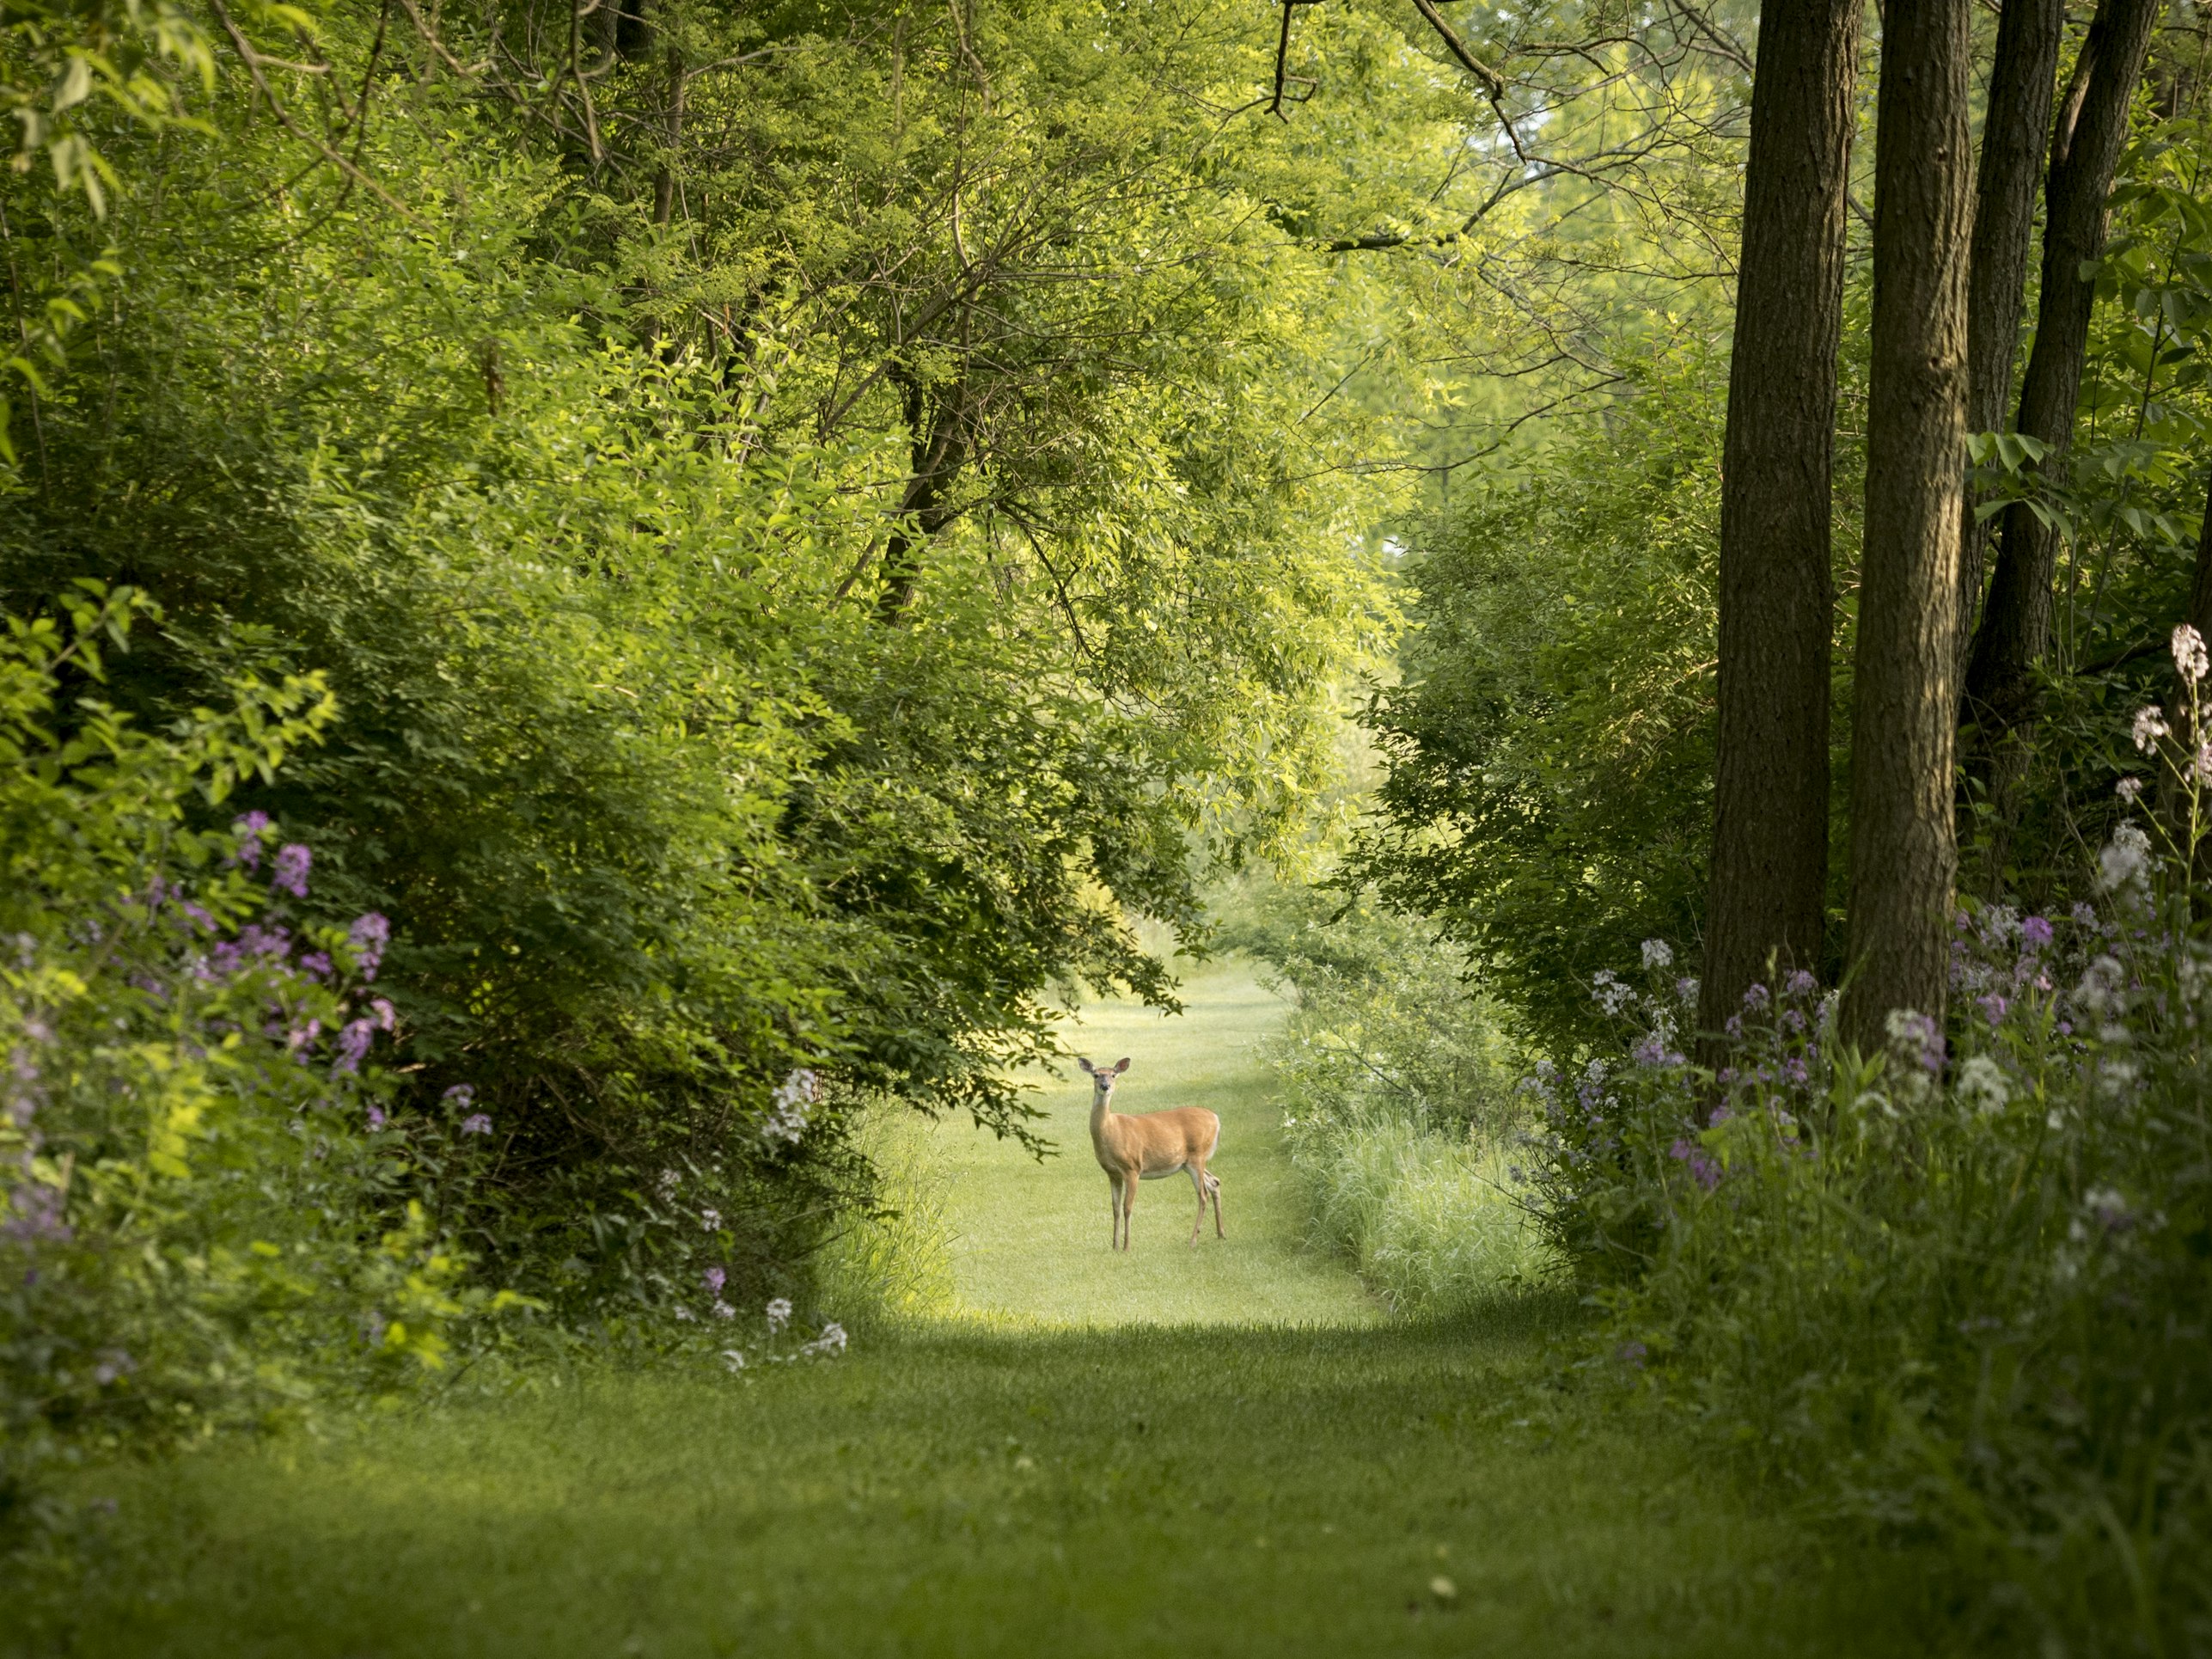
(1215, 1451)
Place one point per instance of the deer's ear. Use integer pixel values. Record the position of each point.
(1086, 1068)
(1120, 1066)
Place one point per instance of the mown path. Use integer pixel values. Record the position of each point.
(1218, 1452)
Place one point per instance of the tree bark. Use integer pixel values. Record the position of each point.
(1903, 855)
(938, 443)
(2085, 147)
(2014, 133)
(1769, 870)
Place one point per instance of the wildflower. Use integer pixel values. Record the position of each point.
(682, 1312)
(669, 1179)
(2124, 860)
(300, 1037)
(2189, 657)
(1734, 1025)
(791, 1106)
(376, 1118)
(1796, 1071)
(476, 1123)
(114, 1364)
(710, 1220)
(780, 1314)
(460, 1097)
(367, 936)
(733, 1358)
(831, 1341)
(1611, 995)
(291, 875)
(384, 1012)
(1653, 1051)
(1799, 983)
(722, 1310)
(1685, 990)
(2200, 764)
(353, 1045)
(2150, 727)
(1993, 1007)
(716, 1278)
(1632, 1353)
(1982, 1085)
(316, 965)
(2108, 1206)
(1658, 953)
(250, 830)
(2128, 788)
(1703, 1169)
(2035, 933)
(1756, 997)
(1918, 1038)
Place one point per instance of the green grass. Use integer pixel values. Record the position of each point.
(1031, 1240)
(1208, 1452)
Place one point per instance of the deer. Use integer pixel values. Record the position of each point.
(1150, 1146)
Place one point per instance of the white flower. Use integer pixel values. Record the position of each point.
(779, 1312)
(709, 1219)
(793, 1104)
(2128, 788)
(733, 1359)
(2150, 727)
(2189, 657)
(1982, 1084)
(1658, 953)
(2125, 859)
(831, 1341)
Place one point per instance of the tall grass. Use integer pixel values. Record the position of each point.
(1427, 1219)
(1397, 1081)
(894, 1263)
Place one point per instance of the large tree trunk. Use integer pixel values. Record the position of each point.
(2014, 135)
(2092, 126)
(1904, 852)
(1770, 872)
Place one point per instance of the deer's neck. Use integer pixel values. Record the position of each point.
(1102, 1109)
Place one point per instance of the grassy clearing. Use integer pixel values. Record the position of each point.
(1221, 1451)
(1149, 1490)
(1032, 1242)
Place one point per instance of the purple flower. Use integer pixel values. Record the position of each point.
(34, 1215)
(376, 1118)
(1755, 998)
(1993, 1007)
(716, 1278)
(460, 1097)
(1734, 1025)
(1799, 983)
(384, 1012)
(315, 964)
(291, 875)
(249, 829)
(300, 1037)
(1703, 1169)
(353, 1045)
(476, 1124)
(367, 936)
(2034, 932)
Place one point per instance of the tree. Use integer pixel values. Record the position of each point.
(2015, 132)
(1903, 855)
(2014, 632)
(1769, 869)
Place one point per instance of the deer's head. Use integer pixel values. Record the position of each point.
(1102, 1079)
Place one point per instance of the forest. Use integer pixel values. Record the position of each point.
(624, 620)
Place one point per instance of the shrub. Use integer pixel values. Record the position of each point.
(1959, 1287)
(204, 1214)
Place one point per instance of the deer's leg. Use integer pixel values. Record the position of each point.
(1213, 1186)
(1114, 1207)
(1128, 1203)
(1198, 1185)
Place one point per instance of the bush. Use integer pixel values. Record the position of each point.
(1958, 1289)
(204, 1215)
(1398, 1097)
